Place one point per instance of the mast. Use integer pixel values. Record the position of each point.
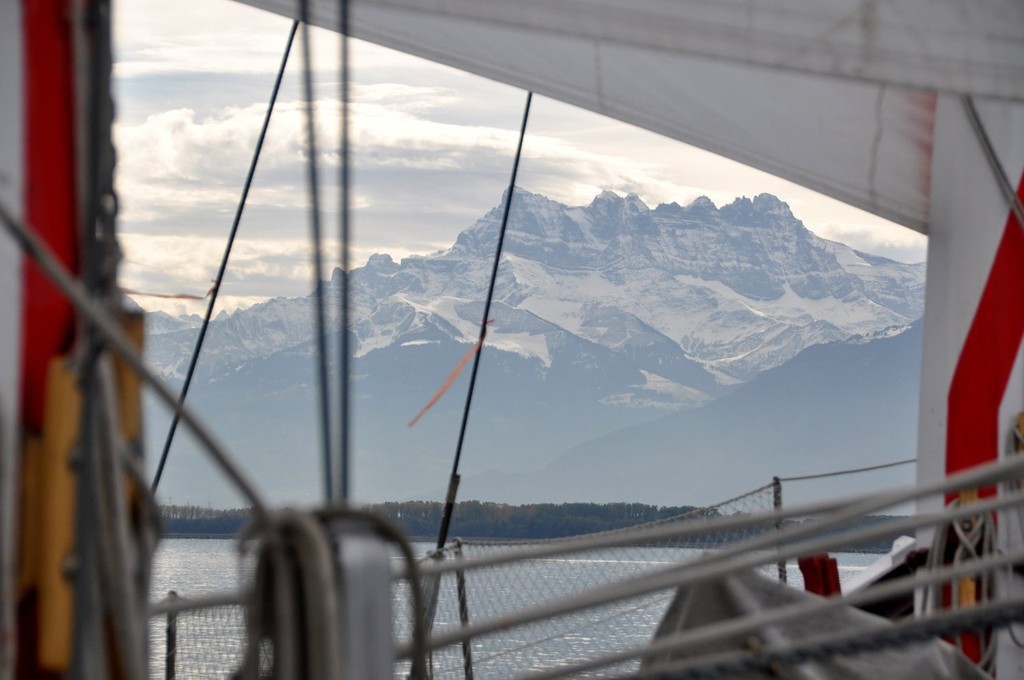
(972, 381)
(76, 534)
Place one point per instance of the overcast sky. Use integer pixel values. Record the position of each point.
(432, 153)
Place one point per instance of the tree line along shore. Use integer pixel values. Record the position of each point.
(497, 521)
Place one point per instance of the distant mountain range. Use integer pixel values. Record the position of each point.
(606, 316)
(832, 407)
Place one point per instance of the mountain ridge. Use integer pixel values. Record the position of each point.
(755, 284)
(606, 316)
(838, 406)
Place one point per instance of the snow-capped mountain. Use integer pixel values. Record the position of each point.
(740, 289)
(606, 316)
(843, 405)
(737, 290)
(232, 340)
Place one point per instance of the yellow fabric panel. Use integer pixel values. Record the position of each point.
(55, 538)
(129, 386)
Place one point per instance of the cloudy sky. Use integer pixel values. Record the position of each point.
(432, 152)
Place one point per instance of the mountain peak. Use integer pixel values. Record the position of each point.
(765, 210)
(702, 202)
(381, 262)
(633, 205)
(701, 208)
(606, 202)
(768, 203)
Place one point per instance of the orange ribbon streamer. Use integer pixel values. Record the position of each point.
(450, 380)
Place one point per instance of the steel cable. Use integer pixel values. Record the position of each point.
(453, 482)
(345, 356)
(215, 290)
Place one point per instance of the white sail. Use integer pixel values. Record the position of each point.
(10, 312)
(940, 45)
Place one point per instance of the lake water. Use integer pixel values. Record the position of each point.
(209, 642)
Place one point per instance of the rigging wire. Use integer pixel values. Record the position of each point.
(837, 473)
(320, 324)
(344, 355)
(1005, 187)
(453, 482)
(194, 360)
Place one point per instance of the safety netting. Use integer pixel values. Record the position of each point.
(529, 575)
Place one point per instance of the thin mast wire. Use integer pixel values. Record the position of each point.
(1005, 187)
(836, 473)
(453, 482)
(344, 356)
(320, 324)
(194, 361)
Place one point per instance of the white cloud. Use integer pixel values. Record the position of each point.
(157, 266)
(432, 152)
(195, 36)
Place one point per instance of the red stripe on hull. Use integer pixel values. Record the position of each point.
(50, 204)
(988, 356)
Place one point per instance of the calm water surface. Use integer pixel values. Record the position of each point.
(209, 644)
(203, 566)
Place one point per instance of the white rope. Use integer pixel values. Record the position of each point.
(975, 538)
(295, 600)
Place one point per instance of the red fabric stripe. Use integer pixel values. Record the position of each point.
(983, 370)
(48, 321)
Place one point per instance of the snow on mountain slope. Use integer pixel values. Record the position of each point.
(739, 289)
(733, 291)
(606, 316)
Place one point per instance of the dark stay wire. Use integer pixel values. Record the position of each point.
(193, 362)
(453, 481)
(344, 356)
